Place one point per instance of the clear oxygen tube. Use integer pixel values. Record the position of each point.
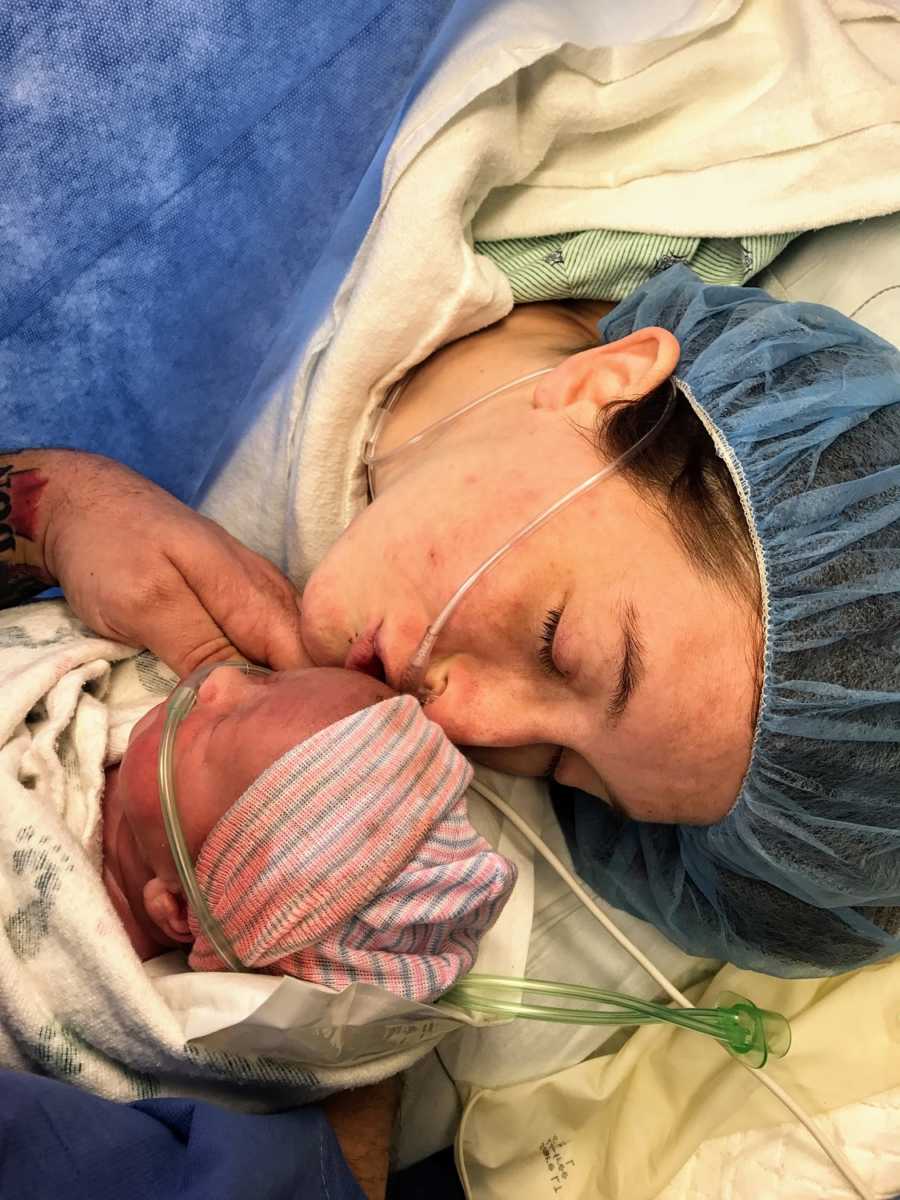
(179, 704)
(413, 678)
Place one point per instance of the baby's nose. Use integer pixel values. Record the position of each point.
(227, 686)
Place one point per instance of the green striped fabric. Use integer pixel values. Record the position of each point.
(608, 264)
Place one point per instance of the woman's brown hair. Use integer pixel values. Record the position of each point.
(682, 475)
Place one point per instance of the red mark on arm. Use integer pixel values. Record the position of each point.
(22, 575)
(26, 488)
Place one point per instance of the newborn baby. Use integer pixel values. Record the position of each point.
(326, 819)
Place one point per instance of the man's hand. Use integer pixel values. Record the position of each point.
(140, 567)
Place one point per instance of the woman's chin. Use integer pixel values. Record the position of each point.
(532, 761)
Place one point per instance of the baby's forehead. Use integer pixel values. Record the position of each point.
(329, 691)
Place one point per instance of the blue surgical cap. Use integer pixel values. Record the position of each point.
(802, 877)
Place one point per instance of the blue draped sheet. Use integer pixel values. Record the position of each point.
(180, 184)
(58, 1141)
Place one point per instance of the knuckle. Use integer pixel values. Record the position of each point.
(149, 593)
(212, 649)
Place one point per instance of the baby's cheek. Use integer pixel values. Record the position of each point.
(149, 724)
(139, 789)
(140, 757)
(210, 775)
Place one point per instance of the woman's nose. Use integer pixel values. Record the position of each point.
(477, 704)
(436, 678)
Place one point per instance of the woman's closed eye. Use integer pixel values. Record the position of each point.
(545, 649)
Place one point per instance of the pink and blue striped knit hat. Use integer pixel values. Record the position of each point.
(352, 859)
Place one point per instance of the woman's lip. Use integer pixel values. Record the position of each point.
(363, 654)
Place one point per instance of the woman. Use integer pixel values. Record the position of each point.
(707, 641)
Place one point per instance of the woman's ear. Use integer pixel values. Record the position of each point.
(166, 907)
(624, 370)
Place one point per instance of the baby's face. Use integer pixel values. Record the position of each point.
(239, 726)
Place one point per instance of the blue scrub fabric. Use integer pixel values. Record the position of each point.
(58, 1141)
(179, 185)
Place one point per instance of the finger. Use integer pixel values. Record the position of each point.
(168, 618)
(251, 602)
(189, 640)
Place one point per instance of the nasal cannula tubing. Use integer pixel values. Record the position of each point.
(833, 1152)
(372, 461)
(413, 676)
(179, 704)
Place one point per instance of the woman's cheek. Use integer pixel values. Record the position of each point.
(467, 703)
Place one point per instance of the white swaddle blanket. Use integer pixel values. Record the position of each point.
(74, 998)
(76, 1003)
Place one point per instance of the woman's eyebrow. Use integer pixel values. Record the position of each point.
(632, 667)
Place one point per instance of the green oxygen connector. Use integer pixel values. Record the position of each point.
(747, 1032)
(757, 1032)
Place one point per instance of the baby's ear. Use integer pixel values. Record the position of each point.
(166, 907)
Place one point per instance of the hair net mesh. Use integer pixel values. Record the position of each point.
(802, 876)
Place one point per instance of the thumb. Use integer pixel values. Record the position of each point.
(256, 609)
(186, 638)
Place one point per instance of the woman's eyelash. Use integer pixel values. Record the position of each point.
(548, 633)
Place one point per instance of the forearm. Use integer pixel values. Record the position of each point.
(25, 479)
(363, 1119)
